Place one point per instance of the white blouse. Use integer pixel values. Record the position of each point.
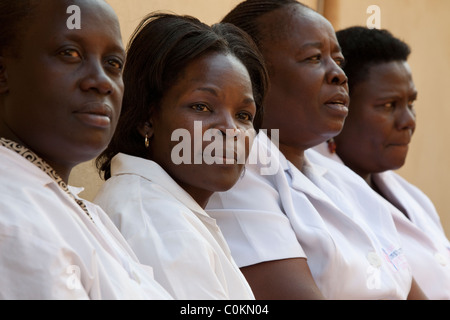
(348, 237)
(51, 249)
(169, 231)
(426, 246)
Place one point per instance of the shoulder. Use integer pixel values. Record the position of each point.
(16, 171)
(134, 203)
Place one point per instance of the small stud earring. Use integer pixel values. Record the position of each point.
(146, 141)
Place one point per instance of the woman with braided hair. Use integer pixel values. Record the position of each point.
(303, 232)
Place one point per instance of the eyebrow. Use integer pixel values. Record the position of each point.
(395, 96)
(74, 36)
(319, 45)
(207, 89)
(214, 93)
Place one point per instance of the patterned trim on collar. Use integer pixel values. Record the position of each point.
(44, 166)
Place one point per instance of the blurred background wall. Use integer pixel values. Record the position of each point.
(423, 24)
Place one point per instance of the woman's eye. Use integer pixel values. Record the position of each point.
(340, 62)
(245, 116)
(116, 63)
(72, 53)
(389, 105)
(200, 107)
(315, 58)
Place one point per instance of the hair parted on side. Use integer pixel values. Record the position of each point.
(160, 48)
(363, 47)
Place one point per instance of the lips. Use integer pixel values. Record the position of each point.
(96, 114)
(399, 144)
(225, 158)
(339, 102)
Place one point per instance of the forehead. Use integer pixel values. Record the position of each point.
(216, 71)
(294, 25)
(389, 77)
(212, 67)
(52, 16)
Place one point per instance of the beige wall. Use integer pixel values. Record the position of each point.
(421, 23)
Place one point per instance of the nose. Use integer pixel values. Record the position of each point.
(336, 75)
(226, 124)
(406, 119)
(97, 79)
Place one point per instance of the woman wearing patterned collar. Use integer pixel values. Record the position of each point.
(60, 98)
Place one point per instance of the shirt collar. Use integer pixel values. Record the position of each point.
(150, 170)
(45, 167)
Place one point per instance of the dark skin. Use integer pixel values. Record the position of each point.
(215, 91)
(287, 279)
(307, 101)
(380, 126)
(66, 107)
(381, 121)
(308, 94)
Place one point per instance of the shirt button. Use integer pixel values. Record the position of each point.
(441, 259)
(136, 277)
(374, 259)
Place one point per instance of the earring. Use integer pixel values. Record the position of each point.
(146, 141)
(331, 146)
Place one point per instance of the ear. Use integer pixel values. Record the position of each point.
(3, 77)
(146, 129)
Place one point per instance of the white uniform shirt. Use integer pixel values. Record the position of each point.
(314, 215)
(169, 231)
(50, 248)
(423, 239)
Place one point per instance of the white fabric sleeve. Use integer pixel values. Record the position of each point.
(252, 220)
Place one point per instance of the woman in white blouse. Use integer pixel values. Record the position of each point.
(375, 140)
(60, 96)
(306, 228)
(193, 95)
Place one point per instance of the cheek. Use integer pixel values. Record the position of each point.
(118, 96)
(301, 84)
(161, 141)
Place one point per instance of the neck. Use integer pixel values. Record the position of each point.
(199, 195)
(295, 155)
(63, 171)
(368, 178)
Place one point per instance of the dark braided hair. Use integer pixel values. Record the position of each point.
(247, 13)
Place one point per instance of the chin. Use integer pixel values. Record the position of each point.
(91, 150)
(335, 129)
(394, 165)
(225, 183)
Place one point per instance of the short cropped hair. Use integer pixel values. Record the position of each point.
(363, 47)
